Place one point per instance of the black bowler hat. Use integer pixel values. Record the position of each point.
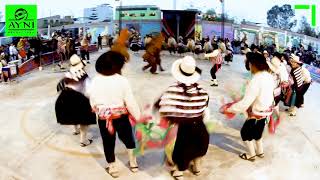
(110, 63)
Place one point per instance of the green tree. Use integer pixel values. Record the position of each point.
(281, 17)
(211, 12)
(210, 15)
(305, 28)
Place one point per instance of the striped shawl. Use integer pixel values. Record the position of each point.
(183, 101)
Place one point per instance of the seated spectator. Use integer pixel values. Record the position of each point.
(22, 55)
(3, 63)
(21, 44)
(3, 60)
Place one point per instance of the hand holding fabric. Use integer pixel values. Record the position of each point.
(225, 110)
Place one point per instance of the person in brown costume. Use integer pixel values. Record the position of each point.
(152, 54)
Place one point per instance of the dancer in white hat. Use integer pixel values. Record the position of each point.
(72, 106)
(185, 104)
(302, 81)
(280, 74)
(217, 59)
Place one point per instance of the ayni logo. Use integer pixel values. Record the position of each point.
(21, 21)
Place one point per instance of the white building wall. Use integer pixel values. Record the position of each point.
(100, 13)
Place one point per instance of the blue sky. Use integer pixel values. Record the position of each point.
(252, 10)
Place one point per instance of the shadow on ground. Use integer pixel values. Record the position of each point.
(227, 142)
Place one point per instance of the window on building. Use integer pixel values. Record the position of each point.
(142, 14)
(123, 15)
(57, 23)
(152, 14)
(154, 9)
(132, 15)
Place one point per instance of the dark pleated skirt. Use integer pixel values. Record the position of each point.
(74, 108)
(192, 142)
(252, 129)
(135, 47)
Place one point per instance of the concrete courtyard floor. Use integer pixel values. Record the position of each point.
(34, 147)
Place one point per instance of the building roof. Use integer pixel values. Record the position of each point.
(137, 6)
(51, 17)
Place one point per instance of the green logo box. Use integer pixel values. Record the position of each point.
(21, 21)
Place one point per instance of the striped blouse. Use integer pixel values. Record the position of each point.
(297, 76)
(180, 100)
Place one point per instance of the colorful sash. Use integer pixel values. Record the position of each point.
(110, 114)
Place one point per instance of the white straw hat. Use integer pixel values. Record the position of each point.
(295, 59)
(185, 70)
(76, 63)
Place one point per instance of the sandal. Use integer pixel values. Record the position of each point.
(177, 176)
(244, 157)
(292, 114)
(84, 145)
(114, 174)
(195, 172)
(133, 169)
(261, 155)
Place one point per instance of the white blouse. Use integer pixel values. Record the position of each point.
(259, 95)
(113, 92)
(306, 75)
